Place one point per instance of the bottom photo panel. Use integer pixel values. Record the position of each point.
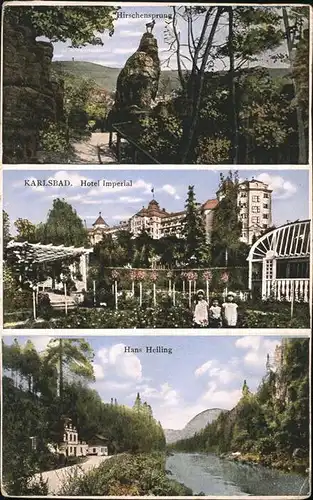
(163, 416)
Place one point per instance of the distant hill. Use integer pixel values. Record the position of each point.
(104, 76)
(196, 424)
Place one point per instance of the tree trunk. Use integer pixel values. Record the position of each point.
(194, 96)
(302, 152)
(232, 89)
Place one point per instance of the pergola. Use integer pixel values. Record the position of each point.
(38, 253)
(279, 262)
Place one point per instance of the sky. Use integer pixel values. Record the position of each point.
(127, 35)
(201, 373)
(290, 195)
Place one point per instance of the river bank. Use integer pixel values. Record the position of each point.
(127, 475)
(282, 463)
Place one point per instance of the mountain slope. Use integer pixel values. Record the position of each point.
(106, 77)
(196, 424)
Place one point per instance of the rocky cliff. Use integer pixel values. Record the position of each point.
(196, 424)
(137, 83)
(29, 95)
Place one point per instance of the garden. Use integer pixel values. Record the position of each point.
(141, 298)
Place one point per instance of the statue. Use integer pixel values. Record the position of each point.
(151, 26)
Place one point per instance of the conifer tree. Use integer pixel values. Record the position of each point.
(196, 248)
(137, 404)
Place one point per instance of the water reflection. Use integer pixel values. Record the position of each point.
(214, 476)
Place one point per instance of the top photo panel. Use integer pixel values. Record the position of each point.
(155, 84)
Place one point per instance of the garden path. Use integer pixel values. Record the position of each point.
(56, 478)
(88, 151)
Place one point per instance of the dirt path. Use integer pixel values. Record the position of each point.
(87, 151)
(57, 477)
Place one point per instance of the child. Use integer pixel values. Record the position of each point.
(229, 311)
(201, 315)
(215, 315)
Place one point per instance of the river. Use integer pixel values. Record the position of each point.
(214, 476)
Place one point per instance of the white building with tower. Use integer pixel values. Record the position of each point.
(254, 201)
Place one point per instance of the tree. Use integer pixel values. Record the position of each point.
(226, 230)
(78, 25)
(293, 19)
(74, 354)
(26, 230)
(5, 229)
(137, 404)
(63, 226)
(196, 248)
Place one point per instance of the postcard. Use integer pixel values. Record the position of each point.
(90, 83)
(162, 416)
(156, 249)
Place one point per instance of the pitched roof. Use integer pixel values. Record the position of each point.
(100, 221)
(210, 204)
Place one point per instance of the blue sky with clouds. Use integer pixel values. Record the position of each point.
(128, 31)
(290, 192)
(201, 373)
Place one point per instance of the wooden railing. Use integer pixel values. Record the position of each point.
(136, 150)
(297, 289)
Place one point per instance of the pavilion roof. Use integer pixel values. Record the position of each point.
(39, 252)
(289, 241)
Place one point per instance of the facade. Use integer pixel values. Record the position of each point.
(279, 263)
(254, 201)
(155, 221)
(72, 447)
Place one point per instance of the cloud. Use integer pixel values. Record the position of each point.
(129, 33)
(126, 50)
(122, 217)
(168, 188)
(282, 189)
(257, 349)
(114, 361)
(225, 399)
(130, 199)
(217, 371)
(166, 395)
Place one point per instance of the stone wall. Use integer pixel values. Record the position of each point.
(29, 95)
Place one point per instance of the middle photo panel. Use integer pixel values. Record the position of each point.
(156, 249)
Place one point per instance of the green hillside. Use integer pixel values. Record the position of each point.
(106, 77)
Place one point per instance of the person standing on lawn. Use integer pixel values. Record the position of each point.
(201, 312)
(215, 315)
(229, 311)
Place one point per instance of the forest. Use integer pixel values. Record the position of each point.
(41, 388)
(253, 111)
(270, 426)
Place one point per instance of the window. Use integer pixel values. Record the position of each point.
(265, 226)
(266, 195)
(244, 216)
(94, 450)
(71, 449)
(255, 209)
(265, 205)
(70, 437)
(265, 216)
(255, 198)
(243, 195)
(81, 450)
(243, 205)
(256, 220)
